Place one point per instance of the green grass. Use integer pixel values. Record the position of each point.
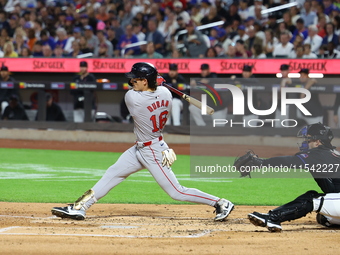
(62, 176)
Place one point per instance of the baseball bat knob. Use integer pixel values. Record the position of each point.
(210, 111)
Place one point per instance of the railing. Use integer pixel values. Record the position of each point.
(131, 45)
(85, 55)
(202, 27)
(278, 8)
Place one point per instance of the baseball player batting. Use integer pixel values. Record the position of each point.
(149, 105)
(319, 157)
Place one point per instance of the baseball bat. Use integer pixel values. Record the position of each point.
(189, 99)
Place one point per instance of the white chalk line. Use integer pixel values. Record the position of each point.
(26, 217)
(108, 216)
(3, 230)
(6, 229)
(119, 236)
(115, 227)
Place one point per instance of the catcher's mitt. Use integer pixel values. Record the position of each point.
(243, 164)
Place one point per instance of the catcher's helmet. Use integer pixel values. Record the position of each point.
(144, 70)
(317, 131)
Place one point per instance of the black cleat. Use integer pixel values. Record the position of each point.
(68, 212)
(262, 220)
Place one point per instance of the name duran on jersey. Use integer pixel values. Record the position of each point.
(158, 104)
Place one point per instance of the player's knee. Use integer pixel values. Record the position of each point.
(309, 195)
(176, 194)
(306, 200)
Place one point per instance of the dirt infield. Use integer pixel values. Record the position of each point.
(153, 229)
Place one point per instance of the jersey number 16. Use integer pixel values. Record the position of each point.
(162, 119)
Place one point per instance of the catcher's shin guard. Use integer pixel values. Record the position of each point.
(295, 209)
(85, 201)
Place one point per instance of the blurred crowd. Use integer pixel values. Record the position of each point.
(106, 28)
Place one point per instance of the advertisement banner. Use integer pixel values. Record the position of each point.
(227, 66)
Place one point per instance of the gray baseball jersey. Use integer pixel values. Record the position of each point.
(149, 111)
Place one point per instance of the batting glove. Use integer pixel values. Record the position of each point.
(168, 158)
(160, 80)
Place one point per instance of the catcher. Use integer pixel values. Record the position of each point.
(319, 157)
